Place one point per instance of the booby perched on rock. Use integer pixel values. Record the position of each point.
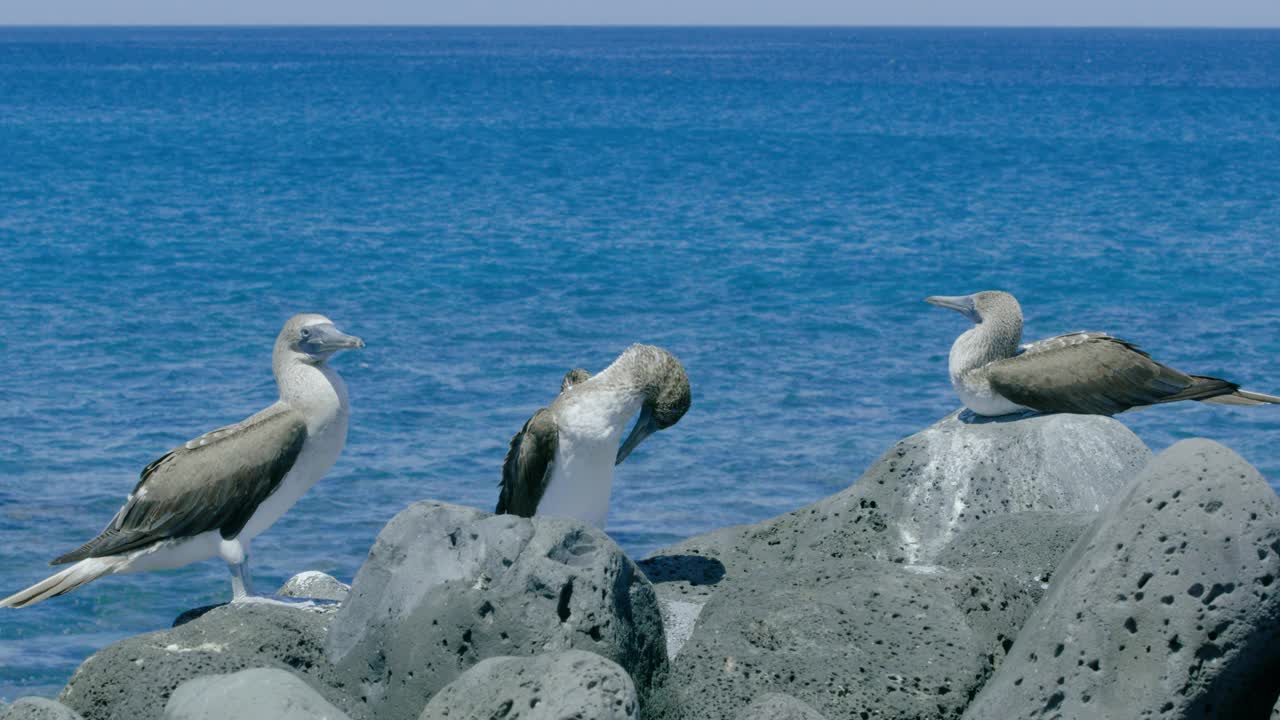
(1083, 372)
(214, 494)
(561, 462)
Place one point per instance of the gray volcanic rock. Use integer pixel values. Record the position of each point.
(1168, 608)
(258, 694)
(848, 637)
(36, 708)
(777, 706)
(314, 585)
(132, 679)
(919, 496)
(569, 684)
(445, 587)
(1030, 545)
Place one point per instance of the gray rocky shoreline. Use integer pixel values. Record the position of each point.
(1037, 567)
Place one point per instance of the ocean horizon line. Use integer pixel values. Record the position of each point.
(635, 26)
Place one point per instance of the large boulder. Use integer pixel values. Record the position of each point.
(569, 684)
(777, 706)
(445, 587)
(36, 708)
(848, 637)
(919, 496)
(133, 679)
(1168, 608)
(258, 694)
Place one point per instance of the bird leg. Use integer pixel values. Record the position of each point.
(241, 582)
(236, 554)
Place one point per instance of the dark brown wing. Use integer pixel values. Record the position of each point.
(214, 482)
(527, 468)
(1095, 374)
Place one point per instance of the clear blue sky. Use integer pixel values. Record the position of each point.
(1216, 13)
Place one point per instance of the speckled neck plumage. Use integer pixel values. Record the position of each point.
(995, 337)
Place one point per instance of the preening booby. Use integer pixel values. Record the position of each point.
(561, 462)
(1081, 372)
(214, 494)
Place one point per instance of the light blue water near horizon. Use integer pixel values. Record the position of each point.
(490, 207)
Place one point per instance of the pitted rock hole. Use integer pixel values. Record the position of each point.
(562, 606)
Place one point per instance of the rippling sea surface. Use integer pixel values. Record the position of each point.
(489, 208)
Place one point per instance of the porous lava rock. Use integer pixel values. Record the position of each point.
(445, 587)
(920, 495)
(133, 679)
(256, 694)
(847, 638)
(569, 684)
(1168, 608)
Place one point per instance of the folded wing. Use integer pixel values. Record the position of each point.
(527, 468)
(1094, 373)
(214, 482)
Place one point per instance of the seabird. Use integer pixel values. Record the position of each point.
(1081, 372)
(212, 495)
(561, 462)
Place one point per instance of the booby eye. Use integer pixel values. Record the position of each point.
(306, 333)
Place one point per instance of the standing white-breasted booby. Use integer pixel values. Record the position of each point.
(214, 494)
(561, 462)
(1083, 372)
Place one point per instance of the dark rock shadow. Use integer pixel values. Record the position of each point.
(969, 417)
(693, 569)
(194, 613)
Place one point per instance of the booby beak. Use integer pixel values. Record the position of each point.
(645, 426)
(962, 304)
(327, 338)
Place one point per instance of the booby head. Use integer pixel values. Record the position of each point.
(982, 306)
(313, 339)
(667, 395)
(576, 376)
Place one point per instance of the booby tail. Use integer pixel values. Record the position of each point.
(1244, 397)
(83, 572)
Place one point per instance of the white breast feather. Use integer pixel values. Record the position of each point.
(590, 424)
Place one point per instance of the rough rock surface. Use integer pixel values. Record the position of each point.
(569, 684)
(1169, 608)
(777, 706)
(1030, 545)
(848, 637)
(919, 496)
(36, 708)
(314, 585)
(258, 694)
(445, 587)
(132, 679)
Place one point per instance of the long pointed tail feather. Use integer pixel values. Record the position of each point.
(85, 571)
(1245, 397)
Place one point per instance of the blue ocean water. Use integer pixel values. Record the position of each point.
(490, 207)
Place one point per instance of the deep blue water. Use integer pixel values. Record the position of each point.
(489, 208)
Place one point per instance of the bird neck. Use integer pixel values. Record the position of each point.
(990, 340)
(630, 375)
(313, 389)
